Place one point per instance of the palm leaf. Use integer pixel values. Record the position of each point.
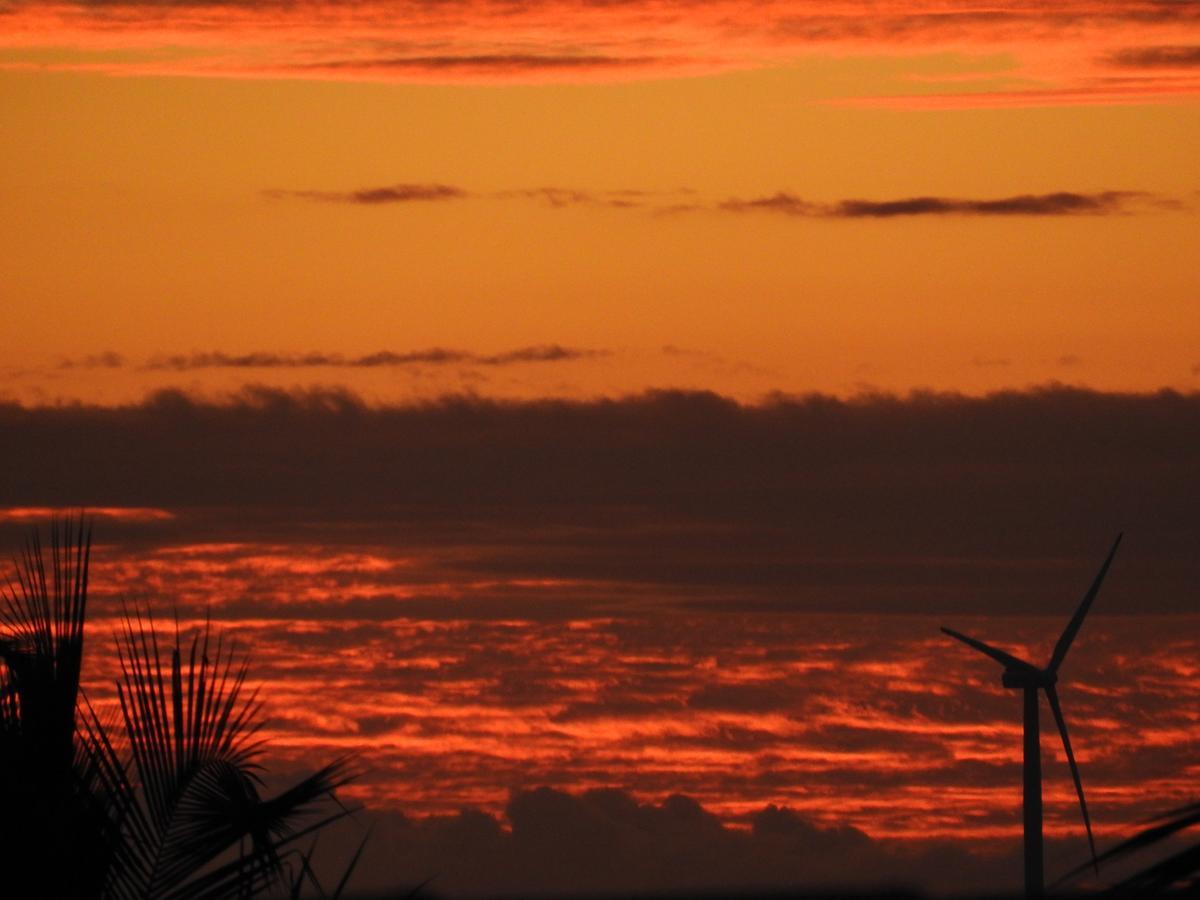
(170, 809)
(1182, 866)
(192, 726)
(48, 788)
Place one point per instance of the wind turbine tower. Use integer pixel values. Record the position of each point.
(1029, 679)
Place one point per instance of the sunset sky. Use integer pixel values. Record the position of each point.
(618, 395)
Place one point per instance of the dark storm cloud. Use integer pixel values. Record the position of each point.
(935, 501)
(434, 356)
(375, 196)
(1061, 203)
(1177, 57)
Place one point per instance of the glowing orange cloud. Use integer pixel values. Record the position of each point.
(113, 513)
(819, 713)
(1077, 49)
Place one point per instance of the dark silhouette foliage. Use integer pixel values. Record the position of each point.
(162, 800)
(1177, 872)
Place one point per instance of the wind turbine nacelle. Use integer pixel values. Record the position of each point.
(1022, 679)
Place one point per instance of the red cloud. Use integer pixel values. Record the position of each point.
(1060, 50)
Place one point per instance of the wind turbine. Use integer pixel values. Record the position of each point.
(1023, 676)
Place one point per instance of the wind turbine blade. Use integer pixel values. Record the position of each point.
(1005, 659)
(1072, 629)
(1052, 696)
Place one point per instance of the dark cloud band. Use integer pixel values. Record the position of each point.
(927, 502)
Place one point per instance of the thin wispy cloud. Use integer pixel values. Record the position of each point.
(39, 514)
(490, 63)
(1059, 203)
(559, 198)
(556, 197)
(375, 196)
(1178, 57)
(679, 201)
(434, 356)
(105, 360)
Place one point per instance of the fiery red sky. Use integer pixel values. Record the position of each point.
(536, 620)
(588, 411)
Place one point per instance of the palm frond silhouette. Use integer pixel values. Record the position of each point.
(162, 801)
(1178, 869)
(51, 790)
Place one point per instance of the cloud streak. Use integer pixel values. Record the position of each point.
(375, 196)
(1059, 203)
(1182, 57)
(554, 197)
(434, 356)
(495, 64)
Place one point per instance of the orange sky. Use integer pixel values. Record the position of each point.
(660, 189)
(562, 199)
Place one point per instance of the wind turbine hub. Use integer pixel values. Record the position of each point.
(1022, 679)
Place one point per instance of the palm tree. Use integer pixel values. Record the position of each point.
(51, 795)
(168, 807)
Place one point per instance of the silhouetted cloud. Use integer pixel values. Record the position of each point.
(664, 203)
(434, 356)
(1176, 57)
(375, 196)
(1061, 203)
(605, 842)
(927, 502)
(1056, 204)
